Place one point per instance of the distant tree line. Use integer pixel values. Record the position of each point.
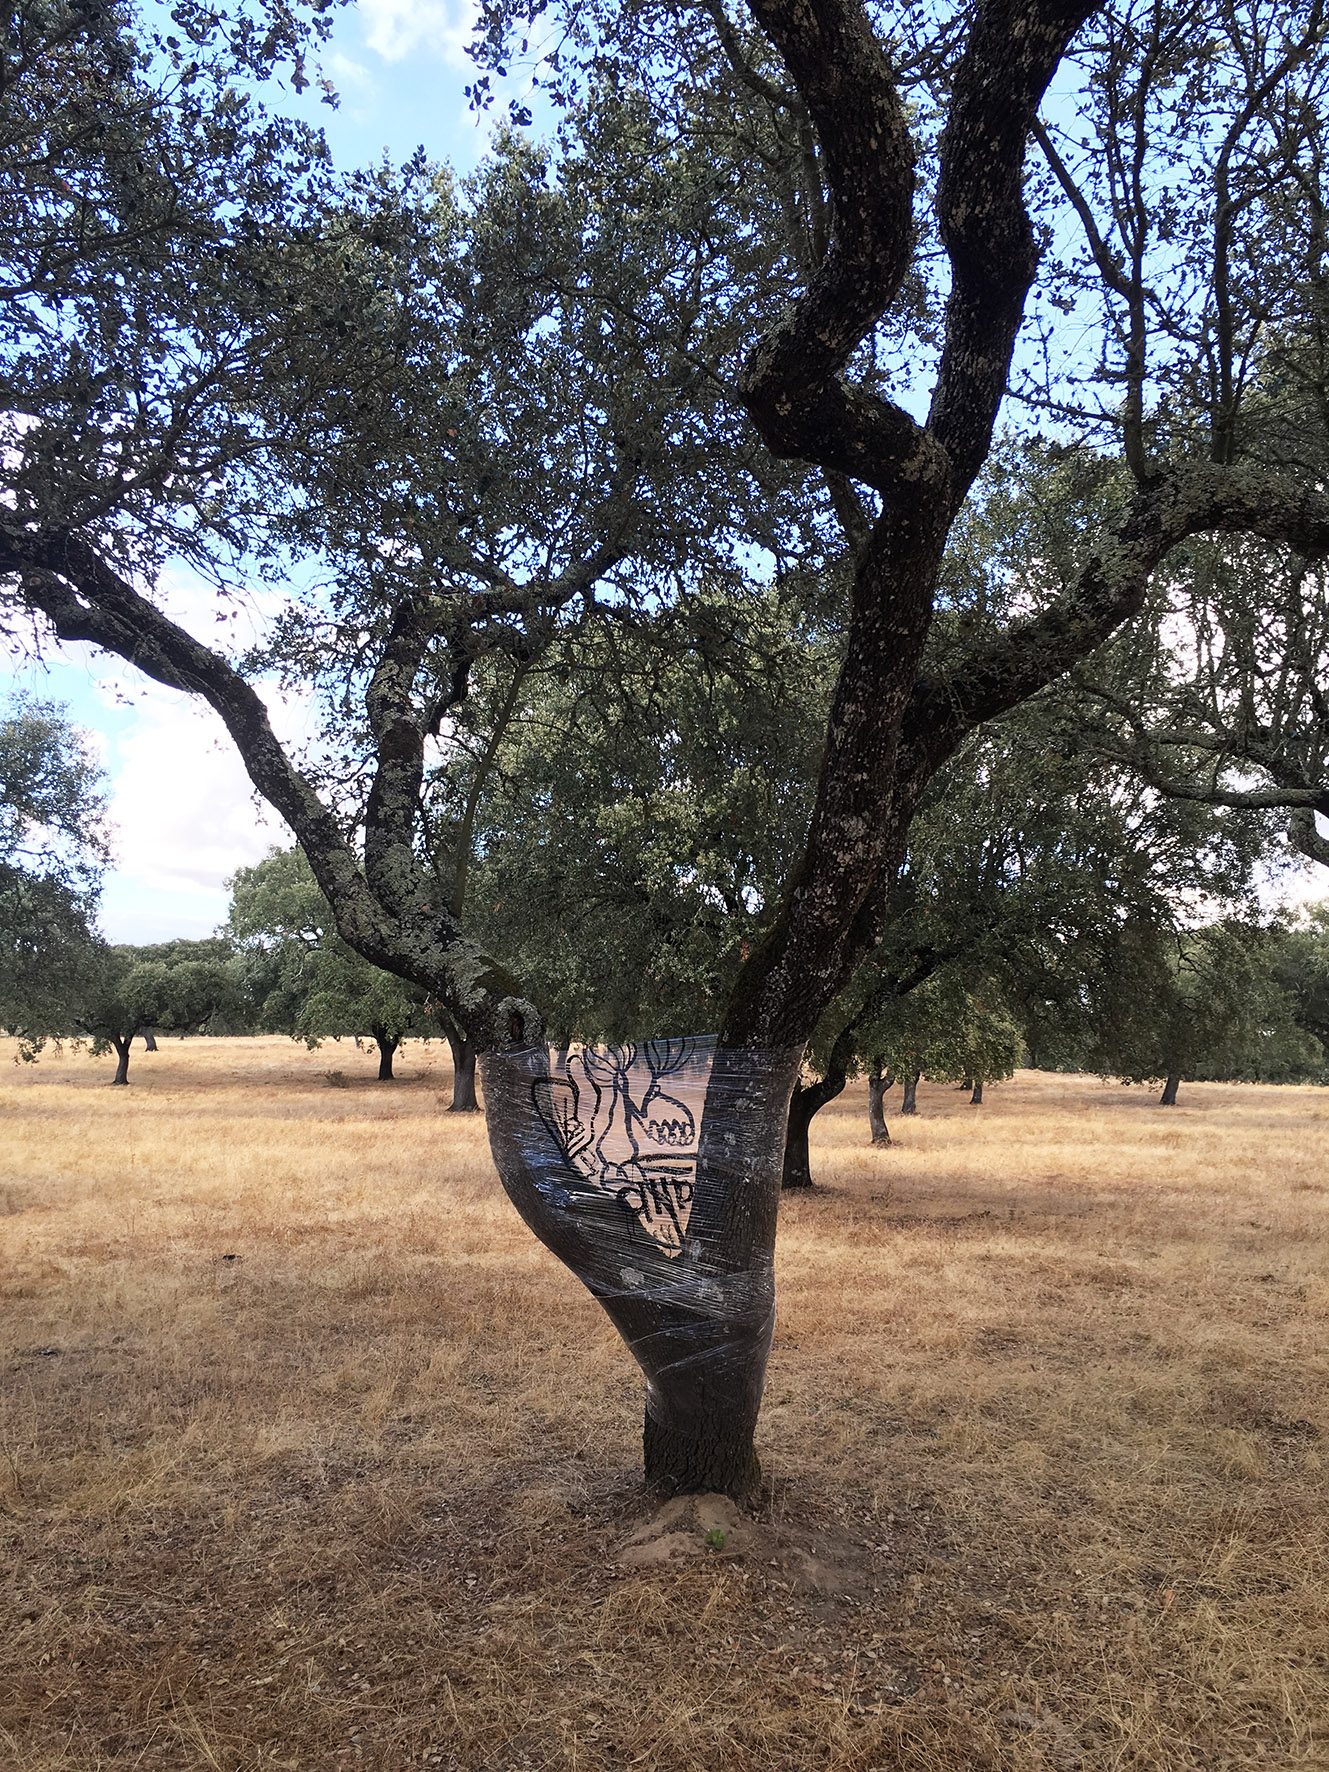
(277, 966)
(1039, 924)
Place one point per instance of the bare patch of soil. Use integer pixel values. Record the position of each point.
(710, 1528)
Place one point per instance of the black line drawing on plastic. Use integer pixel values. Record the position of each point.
(620, 1122)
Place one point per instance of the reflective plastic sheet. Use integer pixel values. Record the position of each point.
(653, 1170)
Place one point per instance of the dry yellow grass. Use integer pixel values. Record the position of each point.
(311, 1457)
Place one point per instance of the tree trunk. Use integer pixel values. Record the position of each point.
(387, 1044)
(976, 1099)
(910, 1104)
(121, 1044)
(877, 1087)
(658, 1182)
(463, 1075)
(797, 1170)
(1169, 1096)
(805, 1104)
(965, 1083)
(149, 1040)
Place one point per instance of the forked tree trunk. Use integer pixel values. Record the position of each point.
(683, 1266)
(387, 1045)
(149, 1040)
(976, 1099)
(121, 1044)
(1169, 1096)
(877, 1087)
(910, 1103)
(463, 1075)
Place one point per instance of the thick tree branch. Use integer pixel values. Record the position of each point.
(1304, 835)
(1013, 50)
(793, 385)
(1193, 499)
(86, 600)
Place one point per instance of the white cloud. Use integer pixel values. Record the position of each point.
(181, 802)
(395, 29)
(347, 73)
(183, 813)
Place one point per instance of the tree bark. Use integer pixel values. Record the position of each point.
(387, 1045)
(976, 1099)
(463, 1075)
(797, 1171)
(1169, 1096)
(807, 1102)
(798, 1158)
(121, 1042)
(965, 1083)
(877, 1087)
(910, 1103)
(149, 1040)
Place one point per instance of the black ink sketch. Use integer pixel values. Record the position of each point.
(620, 1121)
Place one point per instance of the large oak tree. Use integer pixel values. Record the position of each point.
(940, 203)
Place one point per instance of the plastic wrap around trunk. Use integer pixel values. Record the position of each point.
(653, 1170)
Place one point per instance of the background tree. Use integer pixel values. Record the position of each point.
(950, 1026)
(1301, 968)
(300, 978)
(1203, 1003)
(120, 992)
(53, 846)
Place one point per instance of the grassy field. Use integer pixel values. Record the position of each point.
(311, 1457)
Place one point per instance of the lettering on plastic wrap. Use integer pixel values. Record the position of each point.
(626, 1120)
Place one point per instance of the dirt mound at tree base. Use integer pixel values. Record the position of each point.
(695, 1526)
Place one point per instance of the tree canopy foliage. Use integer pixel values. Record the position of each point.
(53, 847)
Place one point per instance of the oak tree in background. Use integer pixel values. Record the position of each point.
(53, 848)
(1301, 967)
(1177, 164)
(295, 974)
(1200, 1003)
(120, 992)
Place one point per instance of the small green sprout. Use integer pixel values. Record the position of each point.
(715, 1538)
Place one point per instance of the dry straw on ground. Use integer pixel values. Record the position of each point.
(312, 1458)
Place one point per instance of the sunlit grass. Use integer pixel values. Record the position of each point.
(310, 1456)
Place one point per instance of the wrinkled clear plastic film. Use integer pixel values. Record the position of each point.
(653, 1170)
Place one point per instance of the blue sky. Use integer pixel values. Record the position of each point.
(399, 68)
